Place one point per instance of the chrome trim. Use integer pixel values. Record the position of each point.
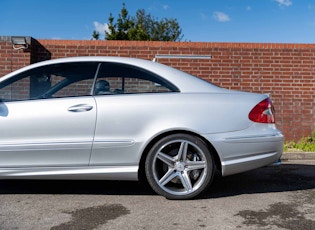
(45, 146)
(252, 139)
(246, 158)
(98, 144)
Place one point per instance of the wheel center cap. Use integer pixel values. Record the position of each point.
(180, 166)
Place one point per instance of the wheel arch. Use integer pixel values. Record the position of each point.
(216, 158)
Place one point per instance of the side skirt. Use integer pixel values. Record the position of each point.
(72, 173)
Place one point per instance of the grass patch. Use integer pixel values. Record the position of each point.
(306, 144)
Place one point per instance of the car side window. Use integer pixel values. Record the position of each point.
(51, 81)
(117, 78)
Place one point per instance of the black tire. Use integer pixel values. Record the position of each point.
(179, 166)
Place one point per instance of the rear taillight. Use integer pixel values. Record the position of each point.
(263, 112)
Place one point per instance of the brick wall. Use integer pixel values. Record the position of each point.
(284, 70)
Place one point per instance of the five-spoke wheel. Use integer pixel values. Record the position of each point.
(179, 166)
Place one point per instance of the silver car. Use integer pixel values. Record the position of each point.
(113, 118)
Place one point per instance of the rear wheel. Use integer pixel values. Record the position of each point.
(179, 166)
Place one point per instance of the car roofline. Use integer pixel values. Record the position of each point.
(183, 81)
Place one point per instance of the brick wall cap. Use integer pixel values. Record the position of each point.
(178, 44)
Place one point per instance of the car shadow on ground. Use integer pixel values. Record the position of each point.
(287, 177)
(283, 178)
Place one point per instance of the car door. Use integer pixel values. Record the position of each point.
(125, 95)
(47, 116)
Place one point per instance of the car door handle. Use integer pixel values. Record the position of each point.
(80, 108)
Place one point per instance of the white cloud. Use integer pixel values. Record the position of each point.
(284, 2)
(165, 7)
(100, 28)
(158, 7)
(221, 17)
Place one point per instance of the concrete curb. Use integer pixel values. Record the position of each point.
(298, 156)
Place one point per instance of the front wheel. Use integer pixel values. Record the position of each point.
(179, 166)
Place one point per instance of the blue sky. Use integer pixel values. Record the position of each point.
(283, 21)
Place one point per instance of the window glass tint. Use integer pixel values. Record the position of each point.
(115, 78)
(74, 89)
(57, 80)
(19, 90)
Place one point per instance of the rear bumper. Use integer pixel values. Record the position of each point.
(248, 149)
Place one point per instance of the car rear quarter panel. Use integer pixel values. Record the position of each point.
(126, 123)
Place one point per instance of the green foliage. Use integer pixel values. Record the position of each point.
(118, 31)
(95, 35)
(306, 144)
(142, 27)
